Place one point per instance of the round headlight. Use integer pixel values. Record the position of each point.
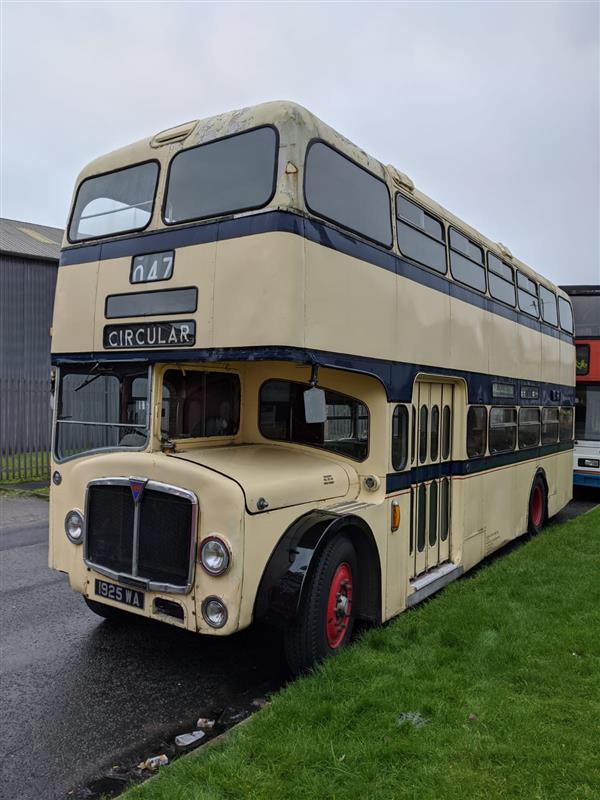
(74, 526)
(214, 612)
(214, 556)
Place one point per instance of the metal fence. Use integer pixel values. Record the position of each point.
(25, 429)
(26, 297)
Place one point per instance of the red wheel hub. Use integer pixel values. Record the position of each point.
(339, 606)
(537, 506)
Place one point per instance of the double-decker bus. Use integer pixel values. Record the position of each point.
(291, 387)
(586, 454)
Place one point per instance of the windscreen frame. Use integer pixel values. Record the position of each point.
(56, 404)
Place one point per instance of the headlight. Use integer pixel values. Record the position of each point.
(214, 556)
(74, 526)
(214, 612)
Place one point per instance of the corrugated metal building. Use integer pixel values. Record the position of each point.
(28, 264)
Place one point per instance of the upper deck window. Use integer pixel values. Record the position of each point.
(502, 280)
(339, 190)
(222, 177)
(281, 416)
(116, 202)
(420, 236)
(466, 261)
(566, 315)
(548, 306)
(527, 293)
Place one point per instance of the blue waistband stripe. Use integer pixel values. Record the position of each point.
(397, 377)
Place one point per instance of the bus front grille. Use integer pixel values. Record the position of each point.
(154, 546)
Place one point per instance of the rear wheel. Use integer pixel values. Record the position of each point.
(537, 506)
(326, 617)
(108, 612)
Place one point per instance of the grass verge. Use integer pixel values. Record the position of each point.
(502, 673)
(13, 490)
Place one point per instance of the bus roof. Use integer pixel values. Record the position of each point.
(297, 126)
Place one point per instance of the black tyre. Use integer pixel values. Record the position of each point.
(327, 612)
(108, 612)
(538, 506)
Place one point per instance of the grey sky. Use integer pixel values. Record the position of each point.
(491, 108)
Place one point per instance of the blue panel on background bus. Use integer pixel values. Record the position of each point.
(585, 479)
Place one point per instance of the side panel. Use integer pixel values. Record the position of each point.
(259, 291)
(350, 305)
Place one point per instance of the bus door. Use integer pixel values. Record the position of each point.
(431, 490)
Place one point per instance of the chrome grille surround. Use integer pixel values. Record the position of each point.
(131, 578)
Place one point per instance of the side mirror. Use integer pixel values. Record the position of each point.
(315, 409)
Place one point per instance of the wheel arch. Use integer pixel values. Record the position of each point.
(292, 562)
(541, 473)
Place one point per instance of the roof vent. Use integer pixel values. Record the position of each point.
(400, 179)
(504, 250)
(173, 135)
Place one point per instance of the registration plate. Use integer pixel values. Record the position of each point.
(121, 594)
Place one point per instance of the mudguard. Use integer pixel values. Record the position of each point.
(289, 567)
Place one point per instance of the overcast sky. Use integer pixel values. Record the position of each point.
(491, 108)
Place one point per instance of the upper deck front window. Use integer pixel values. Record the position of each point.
(116, 202)
(222, 177)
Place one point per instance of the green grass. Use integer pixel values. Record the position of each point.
(503, 666)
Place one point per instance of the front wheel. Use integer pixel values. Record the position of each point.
(326, 617)
(537, 506)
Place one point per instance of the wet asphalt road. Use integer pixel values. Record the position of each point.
(80, 696)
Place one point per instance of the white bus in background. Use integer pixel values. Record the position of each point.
(586, 455)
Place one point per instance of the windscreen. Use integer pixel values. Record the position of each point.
(100, 407)
(222, 177)
(117, 202)
(587, 413)
(586, 310)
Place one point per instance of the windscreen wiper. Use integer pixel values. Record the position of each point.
(92, 378)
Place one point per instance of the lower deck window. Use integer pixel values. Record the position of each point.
(197, 404)
(549, 425)
(566, 424)
(476, 431)
(529, 427)
(399, 437)
(281, 416)
(503, 430)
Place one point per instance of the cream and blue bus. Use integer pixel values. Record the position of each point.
(291, 387)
